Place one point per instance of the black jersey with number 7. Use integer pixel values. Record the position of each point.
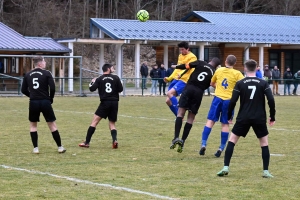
(252, 92)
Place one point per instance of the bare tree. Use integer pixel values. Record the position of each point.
(84, 19)
(69, 17)
(1, 10)
(97, 8)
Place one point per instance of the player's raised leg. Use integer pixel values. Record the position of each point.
(90, 131)
(177, 128)
(186, 131)
(172, 101)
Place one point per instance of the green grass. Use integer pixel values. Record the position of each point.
(143, 161)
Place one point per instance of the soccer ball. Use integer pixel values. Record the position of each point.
(142, 15)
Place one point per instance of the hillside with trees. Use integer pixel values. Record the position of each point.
(70, 18)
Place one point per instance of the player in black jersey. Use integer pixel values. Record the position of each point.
(109, 86)
(191, 97)
(39, 86)
(252, 113)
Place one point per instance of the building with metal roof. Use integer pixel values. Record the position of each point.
(269, 39)
(15, 52)
(12, 41)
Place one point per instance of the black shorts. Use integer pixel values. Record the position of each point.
(191, 98)
(240, 129)
(41, 106)
(108, 109)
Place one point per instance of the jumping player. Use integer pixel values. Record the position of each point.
(191, 97)
(179, 77)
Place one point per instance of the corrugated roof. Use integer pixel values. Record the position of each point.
(244, 20)
(10, 40)
(219, 27)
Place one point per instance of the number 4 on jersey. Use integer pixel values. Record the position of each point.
(225, 83)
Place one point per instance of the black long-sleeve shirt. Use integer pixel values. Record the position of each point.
(38, 84)
(201, 76)
(109, 86)
(252, 92)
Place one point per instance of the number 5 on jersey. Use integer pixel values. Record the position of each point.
(35, 83)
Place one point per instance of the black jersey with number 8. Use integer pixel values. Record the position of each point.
(109, 86)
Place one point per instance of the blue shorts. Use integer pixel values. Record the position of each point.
(178, 86)
(218, 107)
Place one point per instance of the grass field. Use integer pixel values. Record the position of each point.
(143, 167)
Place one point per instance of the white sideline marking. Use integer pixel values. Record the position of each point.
(276, 154)
(88, 182)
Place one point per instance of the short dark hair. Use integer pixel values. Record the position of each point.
(251, 65)
(215, 61)
(37, 59)
(183, 45)
(231, 60)
(106, 67)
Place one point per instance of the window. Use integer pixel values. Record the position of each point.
(274, 59)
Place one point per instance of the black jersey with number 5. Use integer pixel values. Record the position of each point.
(201, 76)
(252, 92)
(38, 84)
(109, 86)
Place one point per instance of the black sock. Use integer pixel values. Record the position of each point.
(178, 124)
(113, 134)
(228, 153)
(34, 138)
(89, 134)
(186, 131)
(56, 137)
(265, 154)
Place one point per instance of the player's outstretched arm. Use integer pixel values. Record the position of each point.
(182, 66)
(93, 85)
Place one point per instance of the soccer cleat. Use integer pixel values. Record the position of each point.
(266, 174)
(36, 150)
(61, 149)
(180, 146)
(218, 153)
(174, 143)
(115, 144)
(202, 151)
(224, 171)
(83, 144)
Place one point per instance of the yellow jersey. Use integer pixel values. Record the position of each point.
(183, 59)
(225, 79)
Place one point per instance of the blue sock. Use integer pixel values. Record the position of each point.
(205, 134)
(174, 101)
(224, 138)
(173, 109)
(174, 104)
